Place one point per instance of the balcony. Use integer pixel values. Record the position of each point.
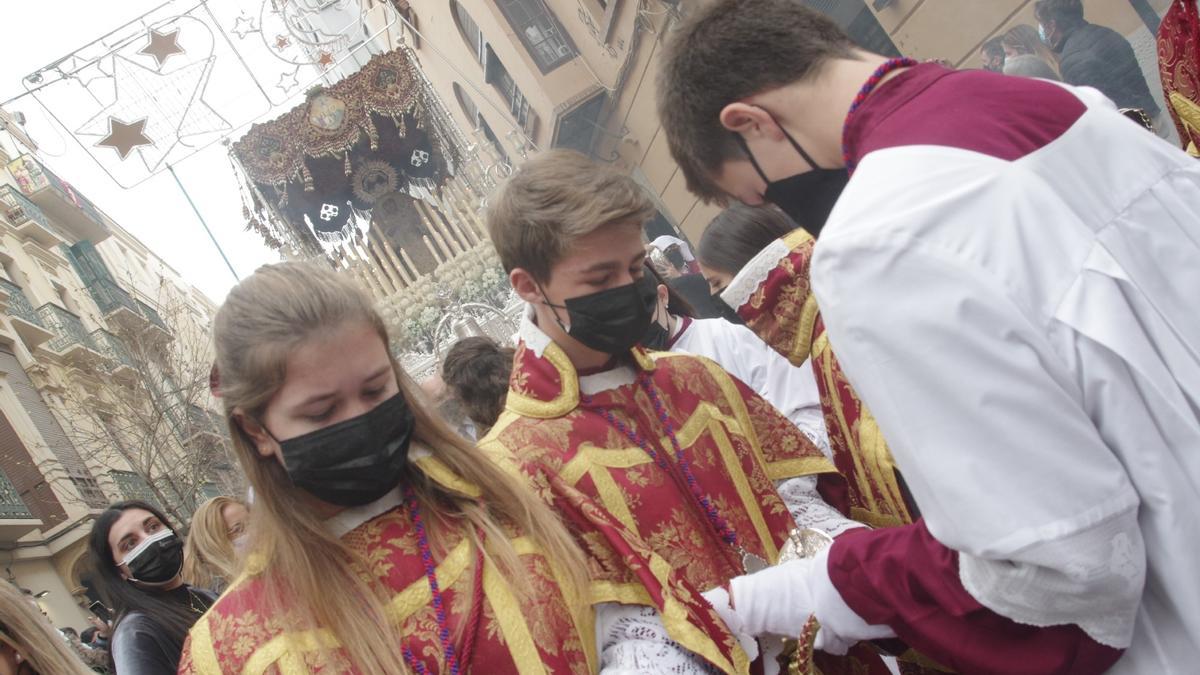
(15, 519)
(59, 200)
(71, 340)
(29, 221)
(152, 316)
(155, 328)
(201, 422)
(24, 318)
(116, 304)
(110, 346)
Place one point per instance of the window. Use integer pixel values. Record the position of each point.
(577, 130)
(494, 72)
(134, 486)
(477, 121)
(518, 105)
(469, 30)
(89, 489)
(540, 32)
(496, 75)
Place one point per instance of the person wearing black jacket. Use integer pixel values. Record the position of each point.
(1092, 55)
(138, 560)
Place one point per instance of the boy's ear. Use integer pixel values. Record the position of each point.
(525, 285)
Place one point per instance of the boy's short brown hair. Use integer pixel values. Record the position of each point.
(727, 51)
(554, 199)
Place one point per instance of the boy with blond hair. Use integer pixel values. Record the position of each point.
(709, 474)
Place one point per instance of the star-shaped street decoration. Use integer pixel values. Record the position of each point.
(162, 46)
(124, 137)
(325, 60)
(282, 42)
(170, 108)
(288, 81)
(243, 26)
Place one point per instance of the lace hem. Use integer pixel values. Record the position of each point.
(633, 640)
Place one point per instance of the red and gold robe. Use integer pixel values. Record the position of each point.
(780, 308)
(1179, 69)
(543, 634)
(738, 446)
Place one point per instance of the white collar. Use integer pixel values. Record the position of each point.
(348, 519)
(612, 378)
(535, 338)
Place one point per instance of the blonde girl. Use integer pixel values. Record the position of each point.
(218, 531)
(382, 542)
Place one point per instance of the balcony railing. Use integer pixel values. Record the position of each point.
(67, 207)
(11, 505)
(74, 196)
(68, 329)
(21, 211)
(18, 304)
(111, 346)
(110, 297)
(152, 315)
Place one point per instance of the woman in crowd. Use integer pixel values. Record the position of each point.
(734, 237)
(791, 389)
(383, 541)
(29, 645)
(138, 560)
(217, 535)
(476, 370)
(1026, 55)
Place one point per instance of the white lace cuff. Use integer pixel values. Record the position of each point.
(632, 640)
(808, 509)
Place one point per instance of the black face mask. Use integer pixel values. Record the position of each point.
(657, 336)
(157, 560)
(613, 320)
(806, 198)
(354, 462)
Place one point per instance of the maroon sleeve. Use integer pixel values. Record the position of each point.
(904, 578)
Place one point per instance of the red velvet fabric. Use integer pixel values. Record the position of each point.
(906, 579)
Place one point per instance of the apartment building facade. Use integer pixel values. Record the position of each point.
(81, 325)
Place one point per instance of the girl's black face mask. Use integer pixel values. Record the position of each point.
(356, 461)
(613, 320)
(157, 560)
(807, 198)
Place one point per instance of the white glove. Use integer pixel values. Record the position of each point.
(719, 600)
(780, 599)
(774, 601)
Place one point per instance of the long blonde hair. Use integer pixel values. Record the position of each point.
(1023, 39)
(208, 556)
(32, 636)
(305, 568)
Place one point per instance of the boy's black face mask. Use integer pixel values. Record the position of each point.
(807, 198)
(613, 320)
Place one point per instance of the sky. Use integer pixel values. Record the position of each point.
(34, 34)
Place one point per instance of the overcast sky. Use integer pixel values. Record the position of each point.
(36, 33)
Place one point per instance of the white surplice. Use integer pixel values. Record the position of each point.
(1027, 335)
